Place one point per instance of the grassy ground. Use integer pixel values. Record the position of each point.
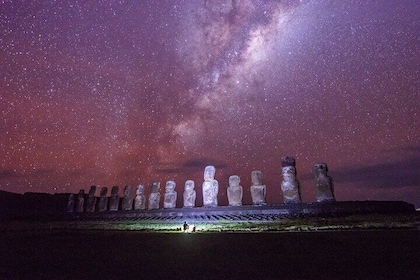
(347, 247)
(352, 222)
(94, 254)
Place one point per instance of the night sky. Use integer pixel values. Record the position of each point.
(129, 92)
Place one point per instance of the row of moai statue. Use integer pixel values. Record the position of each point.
(112, 203)
(290, 187)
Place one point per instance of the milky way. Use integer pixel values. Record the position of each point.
(115, 93)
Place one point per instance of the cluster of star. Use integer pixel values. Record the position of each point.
(115, 93)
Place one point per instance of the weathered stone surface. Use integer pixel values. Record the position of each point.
(258, 189)
(103, 200)
(127, 201)
(234, 191)
(170, 196)
(210, 187)
(324, 188)
(290, 185)
(114, 200)
(91, 201)
(70, 204)
(189, 194)
(80, 201)
(140, 201)
(154, 197)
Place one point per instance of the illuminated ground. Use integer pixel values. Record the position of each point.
(284, 224)
(348, 247)
(84, 254)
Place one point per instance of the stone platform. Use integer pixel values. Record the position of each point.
(271, 212)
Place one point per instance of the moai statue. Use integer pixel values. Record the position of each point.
(169, 200)
(140, 201)
(91, 201)
(324, 188)
(210, 187)
(258, 190)
(103, 200)
(114, 200)
(154, 197)
(127, 201)
(189, 194)
(70, 204)
(80, 201)
(234, 191)
(290, 185)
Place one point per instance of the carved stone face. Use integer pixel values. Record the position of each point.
(155, 187)
(189, 185)
(288, 171)
(104, 190)
(140, 190)
(234, 181)
(81, 193)
(127, 190)
(257, 177)
(170, 186)
(209, 172)
(320, 168)
(114, 190)
(92, 190)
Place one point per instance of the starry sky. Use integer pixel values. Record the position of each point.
(129, 92)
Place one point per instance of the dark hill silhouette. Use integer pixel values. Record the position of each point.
(13, 205)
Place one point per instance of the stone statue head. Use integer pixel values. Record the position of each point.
(289, 171)
(288, 161)
(155, 187)
(209, 172)
(71, 196)
(104, 190)
(320, 168)
(257, 177)
(140, 190)
(170, 186)
(189, 185)
(127, 190)
(92, 191)
(114, 190)
(81, 193)
(234, 181)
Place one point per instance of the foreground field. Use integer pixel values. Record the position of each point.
(346, 247)
(84, 254)
(285, 224)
